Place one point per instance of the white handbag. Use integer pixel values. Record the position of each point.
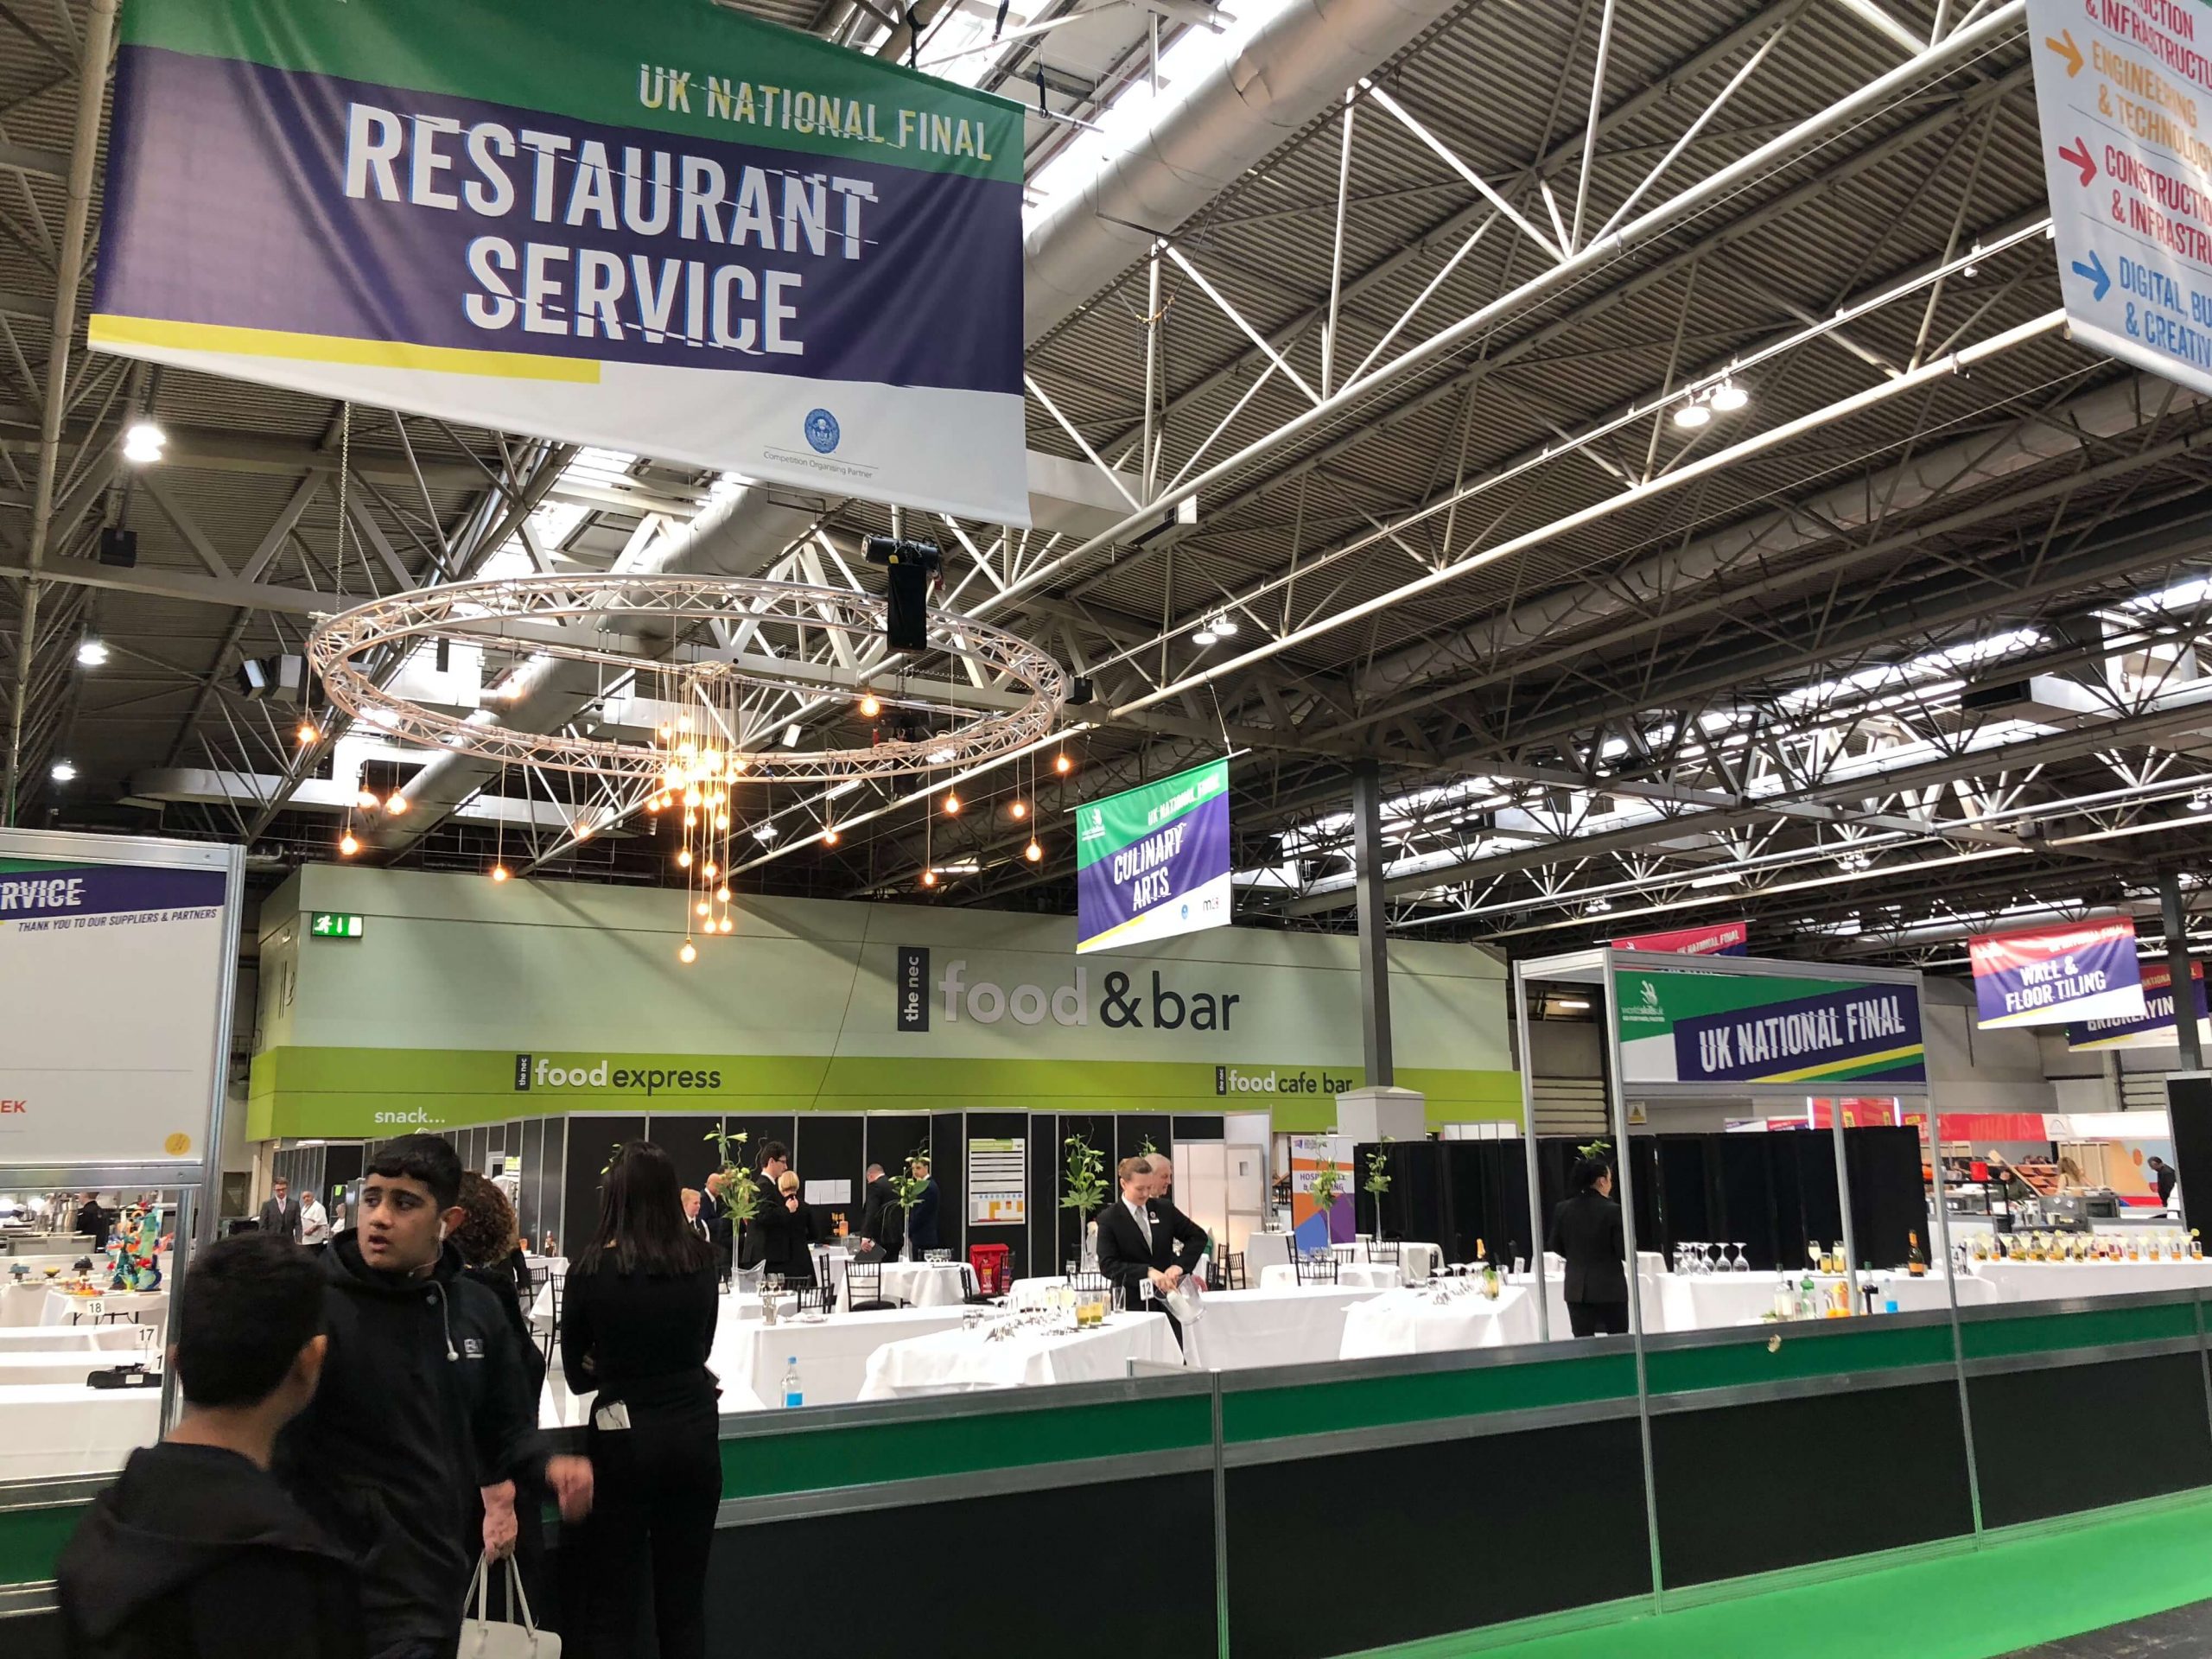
(482, 1637)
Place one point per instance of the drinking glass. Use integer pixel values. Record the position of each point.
(1740, 1265)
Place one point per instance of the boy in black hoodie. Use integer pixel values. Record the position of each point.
(197, 1551)
(409, 1455)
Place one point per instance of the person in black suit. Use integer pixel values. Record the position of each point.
(280, 1214)
(1137, 1249)
(1192, 1243)
(768, 1234)
(921, 1226)
(93, 1221)
(2167, 1176)
(714, 1210)
(881, 1224)
(1587, 1231)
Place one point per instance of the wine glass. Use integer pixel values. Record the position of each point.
(1741, 1263)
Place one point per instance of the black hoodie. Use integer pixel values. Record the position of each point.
(425, 1397)
(196, 1552)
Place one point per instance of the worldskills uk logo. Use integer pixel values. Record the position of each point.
(822, 430)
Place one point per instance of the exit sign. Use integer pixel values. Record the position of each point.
(328, 925)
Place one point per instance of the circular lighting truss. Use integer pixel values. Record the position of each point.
(592, 637)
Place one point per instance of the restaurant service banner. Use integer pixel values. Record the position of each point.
(662, 227)
(1716, 939)
(1153, 862)
(1693, 1027)
(2154, 1026)
(2058, 975)
(112, 1007)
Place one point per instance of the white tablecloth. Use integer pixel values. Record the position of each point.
(1408, 1322)
(1355, 1275)
(959, 1361)
(71, 1339)
(56, 1429)
(1265, 1250)
(1703, 1301)
(833, 1355)
(21, 1367)
(916, 1284)
(1238, 1329)
(2039, 1282)
(22, 1304)
(125, 1307)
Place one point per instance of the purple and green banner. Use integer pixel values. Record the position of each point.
(2154, 1026)
(662, 227)
(2058, 975)
(1153, 862)
(1719, 1028)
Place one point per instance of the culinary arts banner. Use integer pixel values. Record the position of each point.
(662, 227)
(1153, 862)
(1719, 939)
(112, 1007)
(1695, 1027)
(2056, 975)
(2154, 1026)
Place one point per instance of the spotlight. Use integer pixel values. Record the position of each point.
(1224, 624)
(869, 707)
(2200, 801)
(1728, 397)
(764, 832)
(348, 846)
(1206, 635)
(143, 442)
(308, 733)
(1693, 414)
(928, 877)
(688, 953)
(1032, 852)
(91, 651)
(940, 757)
(65, 771)
(498, 872)
(1020, 810)
(1062, 765)
(951, 804)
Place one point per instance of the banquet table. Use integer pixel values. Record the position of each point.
(833, 1353)
(1352, 1275)
(1411, 1322)
(1265, 1250)
(916, 1284)
(56, 1429)
(71, 1339)
(22, 1367)
(960, 1361)
(2037, 1281)
(1705, 1301)
(122, 1307)
(1240, 1329)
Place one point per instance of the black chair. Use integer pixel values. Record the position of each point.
(1317, 1269)
(1232, 1271)
(864, 1288)
(557, 1284)
(1390, 1251)
(813, 1298)
(1089, 1281)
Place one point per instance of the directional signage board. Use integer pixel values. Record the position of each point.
(2121, 86)
(330, 925)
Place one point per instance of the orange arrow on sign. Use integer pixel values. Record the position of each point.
(2065, 47)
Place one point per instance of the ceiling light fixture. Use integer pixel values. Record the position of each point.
(764, 832)
(499, 872)
(1062, 765)
(1692, 414)
(869, 707)
(688, 953)
(1032, 852)
(928, 877)
(65, 771)
(1728, 397)
(143, 442)
(2200, 801)
(951, 804)
(91, 651)
(1205, 635)
(1019, 809)
(829, 836)
(1224, 624)
(347, 845)
(308, 733)
(790, 737)
(396, 804)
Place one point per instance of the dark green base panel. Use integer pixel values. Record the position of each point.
(2064, 1438)
(1449, 1536)
(1751, 1487)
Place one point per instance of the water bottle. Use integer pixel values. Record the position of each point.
(793, 1394)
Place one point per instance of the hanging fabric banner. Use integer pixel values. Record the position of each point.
(662, 227)
(2055, 976)
(2154, 1026)
(1153, 862)
(1711, 1027)
(1716, 939)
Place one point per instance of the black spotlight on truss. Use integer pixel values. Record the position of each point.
(910, 566)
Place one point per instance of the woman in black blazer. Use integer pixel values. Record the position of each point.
(1587, 1230)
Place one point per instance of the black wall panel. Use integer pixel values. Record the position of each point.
(2188, 1104)
(592, 1140)
(531, 1187)
(949, 1163)
(830, 1148)
(682, 1136)
(1472, 1532)
(1753, 1487)
(2160, 1442)
(554, 1217)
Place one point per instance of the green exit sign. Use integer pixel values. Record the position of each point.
(328, 925)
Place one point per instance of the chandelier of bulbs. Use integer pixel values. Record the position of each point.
(725, 676)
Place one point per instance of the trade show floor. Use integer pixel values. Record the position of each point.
(2026, 1587)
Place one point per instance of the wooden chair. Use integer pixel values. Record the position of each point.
(1232, 1271)
(1321, 1268)
(864, 1288)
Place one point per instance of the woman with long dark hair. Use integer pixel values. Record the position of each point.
(637, 1324)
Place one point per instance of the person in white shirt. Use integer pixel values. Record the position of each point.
(314, 1220)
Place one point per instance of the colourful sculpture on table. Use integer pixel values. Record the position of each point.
(134, 1260)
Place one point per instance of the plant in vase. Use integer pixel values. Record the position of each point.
(740, 1193)
(1328, 1182)
(1377, 1183)
(909, 1188)
(1083, 1190)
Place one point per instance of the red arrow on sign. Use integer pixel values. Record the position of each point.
(2079, 155)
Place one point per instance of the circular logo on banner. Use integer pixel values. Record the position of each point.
(822, 430)
(177, 1144)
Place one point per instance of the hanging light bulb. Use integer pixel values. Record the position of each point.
(712, 870)
(951, 804)
(728, 927)
(653, 805)
(498, 872)
(829, 836)
(722, 820)
(684, 859)
(366, 800)
(347, 845)
(1062, 765)
(723, 892)
(396, 804)
(1032, 852)
(308, 733)
(702, 908)
(688, 953)
(1019, 809)
(692, 797)
(869, 707)
(928, 877)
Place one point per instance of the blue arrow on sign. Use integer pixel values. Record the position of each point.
(2093, 270)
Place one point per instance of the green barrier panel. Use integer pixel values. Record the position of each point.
(1381, 1402)
(1788, 1353)
(867, 1454)
(2103, 1327)
(31, 1540)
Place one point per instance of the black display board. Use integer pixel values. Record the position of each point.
(2188, 1105)
(984, 1126)
(682, 1136)
(949, 1165)
(591, 1140)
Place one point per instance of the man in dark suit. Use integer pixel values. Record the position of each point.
(1587, 1231)
(1137, 1250)
(921, 1227)
(714, 1210)
(2167, 1177)
(881, 1224)
(280, 1214)
(93, 1221)
(771, 1219)
(1192, 1243)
